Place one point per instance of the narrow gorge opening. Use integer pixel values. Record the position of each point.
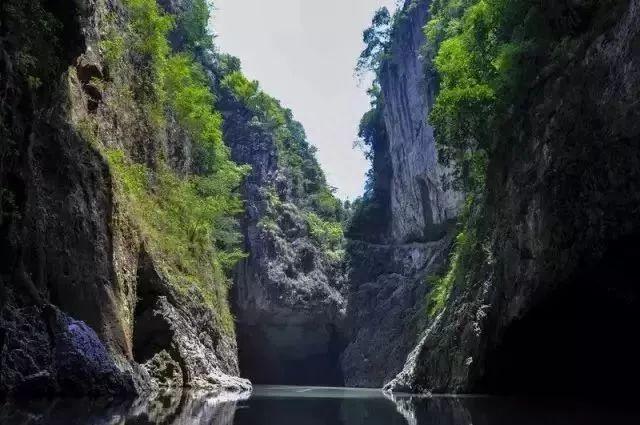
(290, 355)
(581, 340)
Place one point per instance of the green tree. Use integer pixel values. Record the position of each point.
(376, 39)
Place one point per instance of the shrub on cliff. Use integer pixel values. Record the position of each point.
(187, 219)
(322, 211)
(488, 54)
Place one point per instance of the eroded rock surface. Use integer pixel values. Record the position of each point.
(79, 288)
(46, 352)
(564, 196)
(420, 204)
(387, 306)
(388, 273)
(288, 294)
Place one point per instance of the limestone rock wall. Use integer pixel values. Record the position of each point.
(288, 294)
(563, 198)
(388, 283)
(420, 203)
(84, 306)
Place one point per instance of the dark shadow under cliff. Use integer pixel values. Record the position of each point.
(581, 338)
(310, 357)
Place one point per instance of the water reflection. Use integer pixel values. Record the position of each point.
(175, 408)
(482, 410)
(314, 406)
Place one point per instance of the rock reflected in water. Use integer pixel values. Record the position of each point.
(175, 408)
(279, 405)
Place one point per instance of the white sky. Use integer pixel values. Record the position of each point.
(303, 52)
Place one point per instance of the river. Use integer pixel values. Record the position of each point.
(285, 405)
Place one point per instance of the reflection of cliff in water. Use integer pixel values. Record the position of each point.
(314, 406)
(479, 410)
(175, 408)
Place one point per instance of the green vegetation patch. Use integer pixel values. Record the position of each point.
(469, 255)
(328, 234)
(323, 212)
(487, 54)
(295, 155)
(178, 218)
(188, 222)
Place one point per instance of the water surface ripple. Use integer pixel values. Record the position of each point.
(285, 405)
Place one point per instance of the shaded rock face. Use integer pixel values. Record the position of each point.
(55, 241)
(387, 307)
(554, 312)
(388, 286)
(287, 295)
(76, 281)
(45, 351)
(176, 339)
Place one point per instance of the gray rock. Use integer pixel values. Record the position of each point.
(420, 203)
(74, 268)
(164, 370)
(387, 306)
(288, 294)
(388, 288)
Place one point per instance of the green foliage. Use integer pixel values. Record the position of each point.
(468, 255)
(295, 155)
(323, 211)
(179, 83)
(228, 64)
(194, 22)
(113, 49)
(113, 45)
(178, 219)
(146, 37)
(480, 63)
(441, 286)
(372, 130)
(376, 39)
(485, 53)
(370, 213)
(326, 204)
(191, 99)
(328, 234)
(149, 28)
(188, 221)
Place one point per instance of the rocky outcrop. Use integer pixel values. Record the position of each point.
(420, 202)
(388, 285)
(288, 294)
(387, 306)
(85, 306)
(552, 311)
(56, 205)
(177, 340)
(45, 351)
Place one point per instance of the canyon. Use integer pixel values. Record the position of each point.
(94, 302)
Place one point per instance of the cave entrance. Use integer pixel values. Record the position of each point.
(582, 340)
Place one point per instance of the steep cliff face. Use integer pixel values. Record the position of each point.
(90, 303)
(420, 204)
(388, 287)
(56, 203)
(552, 306)
(288, 294)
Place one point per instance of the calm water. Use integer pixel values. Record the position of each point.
(270, 405)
